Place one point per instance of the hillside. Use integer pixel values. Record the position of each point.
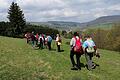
(58, 24)
(104, 21)
(18, 61)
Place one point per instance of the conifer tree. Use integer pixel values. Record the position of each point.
(16, 18)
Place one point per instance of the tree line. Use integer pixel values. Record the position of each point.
(107, 39)
(6, 29)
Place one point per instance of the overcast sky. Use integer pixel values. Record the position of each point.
(62, 10)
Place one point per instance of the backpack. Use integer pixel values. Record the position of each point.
(49, 39)
(90, 49)
(78, 46)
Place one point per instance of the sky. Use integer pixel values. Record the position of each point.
(62, 10)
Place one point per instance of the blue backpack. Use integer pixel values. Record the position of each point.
(49, 38)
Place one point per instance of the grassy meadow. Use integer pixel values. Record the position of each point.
(18, 61)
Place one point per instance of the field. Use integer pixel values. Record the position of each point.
(18, 61)
(106, 26)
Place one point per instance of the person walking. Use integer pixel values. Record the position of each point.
(76, 49)
(27, 36)
(37, 37)
(89, 49)
(33, 39)
(58, 42)
(40, 42)
(49, 41)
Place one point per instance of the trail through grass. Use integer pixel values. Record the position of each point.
(18, 61)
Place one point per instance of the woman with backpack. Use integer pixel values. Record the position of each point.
(76, 49)
(58, 42)
(33, 39)
(89, 49)
(49, 41)
(40, 42)
(37, 37)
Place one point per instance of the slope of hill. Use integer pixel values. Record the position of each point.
(18, 61)
(105, 20)
(58, 24)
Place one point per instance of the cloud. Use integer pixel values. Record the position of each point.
(114, 7)
(3, 4)
(68, 10)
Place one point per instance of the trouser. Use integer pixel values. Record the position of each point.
(40, 45)
(78, 55)
(58, 48)
(49, 45)
(88, 57)
(27, 40)
(36, 41)
(33, 43)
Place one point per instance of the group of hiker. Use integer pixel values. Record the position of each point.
(43, 40)
(78, 47)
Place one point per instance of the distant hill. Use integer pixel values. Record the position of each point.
(101, 21)
(58, 24)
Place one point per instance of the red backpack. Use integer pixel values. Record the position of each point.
(78, 46)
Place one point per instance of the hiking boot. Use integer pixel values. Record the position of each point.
(94, 66)
(74, 68)
(88, 68)
(79, 68)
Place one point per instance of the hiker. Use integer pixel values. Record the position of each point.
(43, 36)
(49, 41)
(53, 36)
(33, 39)
(58, 42)
(76, 49)
(89, 49)
(45, 42)
(37, 37)
(40, 42)
(27, 36)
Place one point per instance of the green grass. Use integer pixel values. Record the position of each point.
(106, 26)
(18, 61)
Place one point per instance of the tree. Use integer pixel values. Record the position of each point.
(16, 18)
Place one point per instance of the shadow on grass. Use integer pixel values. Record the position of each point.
(82, 65)
(53, 50)
(61, 50)
(95, 65)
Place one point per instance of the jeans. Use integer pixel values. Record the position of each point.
(40, 45)
(78, 55)
(58, 48)
(49, 45)
(88, 57)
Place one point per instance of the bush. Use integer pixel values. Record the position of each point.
(106, 39)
